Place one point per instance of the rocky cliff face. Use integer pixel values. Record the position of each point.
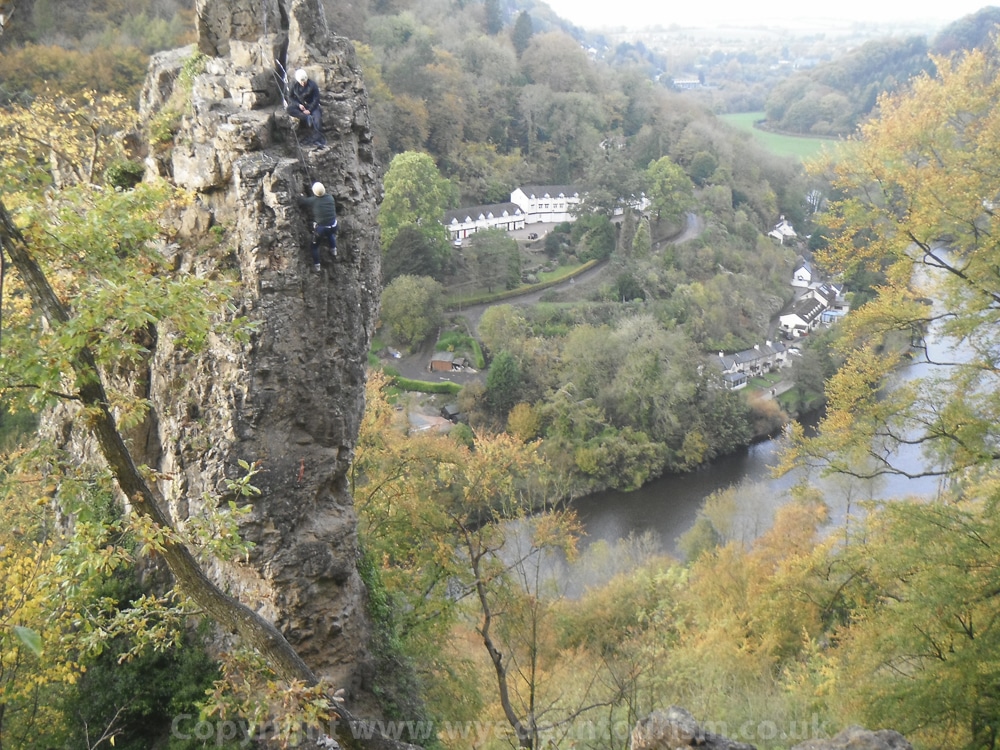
(292, 398)
(675, 728)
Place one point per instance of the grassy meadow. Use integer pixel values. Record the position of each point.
(784, 145)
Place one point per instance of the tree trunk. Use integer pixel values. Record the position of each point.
(230, 614)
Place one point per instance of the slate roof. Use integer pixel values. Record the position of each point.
(472, 213)
(808, 309)
(553, 191)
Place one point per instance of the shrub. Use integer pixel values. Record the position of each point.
(124, 174)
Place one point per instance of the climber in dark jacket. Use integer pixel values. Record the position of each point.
(324, 216)
(304, 104)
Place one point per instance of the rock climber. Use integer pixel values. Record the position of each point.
(324, 216)
(304, 104)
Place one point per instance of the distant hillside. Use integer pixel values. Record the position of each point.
(971, 32)
(834, 97)
(831, 99)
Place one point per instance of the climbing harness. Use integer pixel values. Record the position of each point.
(282, 81)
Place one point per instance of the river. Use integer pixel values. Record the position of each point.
(669, 506)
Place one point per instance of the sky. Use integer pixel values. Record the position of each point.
(633, 14)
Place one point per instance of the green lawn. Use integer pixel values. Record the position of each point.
(784, 145)
(765, 381)
(558, 273)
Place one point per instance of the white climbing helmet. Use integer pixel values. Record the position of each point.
(301, 76)
(318, 189)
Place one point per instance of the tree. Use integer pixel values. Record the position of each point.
(917, 202)
(703, 166)
(557, 61)
(496, 260)
(463, 556)
(494, 17)
(670, 189)
(84, 373)
(503, 327)
(926, 663)
(412, 253)
(415, 194)
(612, 179)
(597, 235)
(524, 422)
(503, 384)
(412, 308)
(85, 260)
(522, 32)
(641, 243)
(919, 207)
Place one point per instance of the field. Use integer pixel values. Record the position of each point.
(783, 145)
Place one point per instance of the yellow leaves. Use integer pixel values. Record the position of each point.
(288, 712)
(556, 530)
(63, 140)
(152, 537)
(524, 422)
(917, 172)
(918, 207)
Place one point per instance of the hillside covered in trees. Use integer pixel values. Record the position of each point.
(886, 619)
(833, 98)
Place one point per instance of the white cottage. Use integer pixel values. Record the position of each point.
(802, 276)
(546, 203)
(462, 222)
(782, 231)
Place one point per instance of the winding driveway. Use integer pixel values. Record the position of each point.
(414, 366)
(693, 226)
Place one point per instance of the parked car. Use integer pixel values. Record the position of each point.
(533, 236)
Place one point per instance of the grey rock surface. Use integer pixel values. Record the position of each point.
(857, 738)
(676, 728)
(292, 397)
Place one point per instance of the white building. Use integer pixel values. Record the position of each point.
(802, 276)
(462, 222)
(546, 203)
(782, 231)
(802, 318)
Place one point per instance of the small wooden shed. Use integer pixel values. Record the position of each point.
(442, 362)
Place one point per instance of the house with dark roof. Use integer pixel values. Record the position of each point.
(547, 203)
(462, 222)
(802, 318)
(737, 369)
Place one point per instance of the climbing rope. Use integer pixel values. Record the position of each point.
(282, 82)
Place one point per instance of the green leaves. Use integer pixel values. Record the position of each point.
(415, 193)
(412, 308)
(670, 189)
(29, 638)
(103, 251)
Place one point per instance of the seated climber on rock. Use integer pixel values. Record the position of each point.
(324, 216)
(303, 103)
